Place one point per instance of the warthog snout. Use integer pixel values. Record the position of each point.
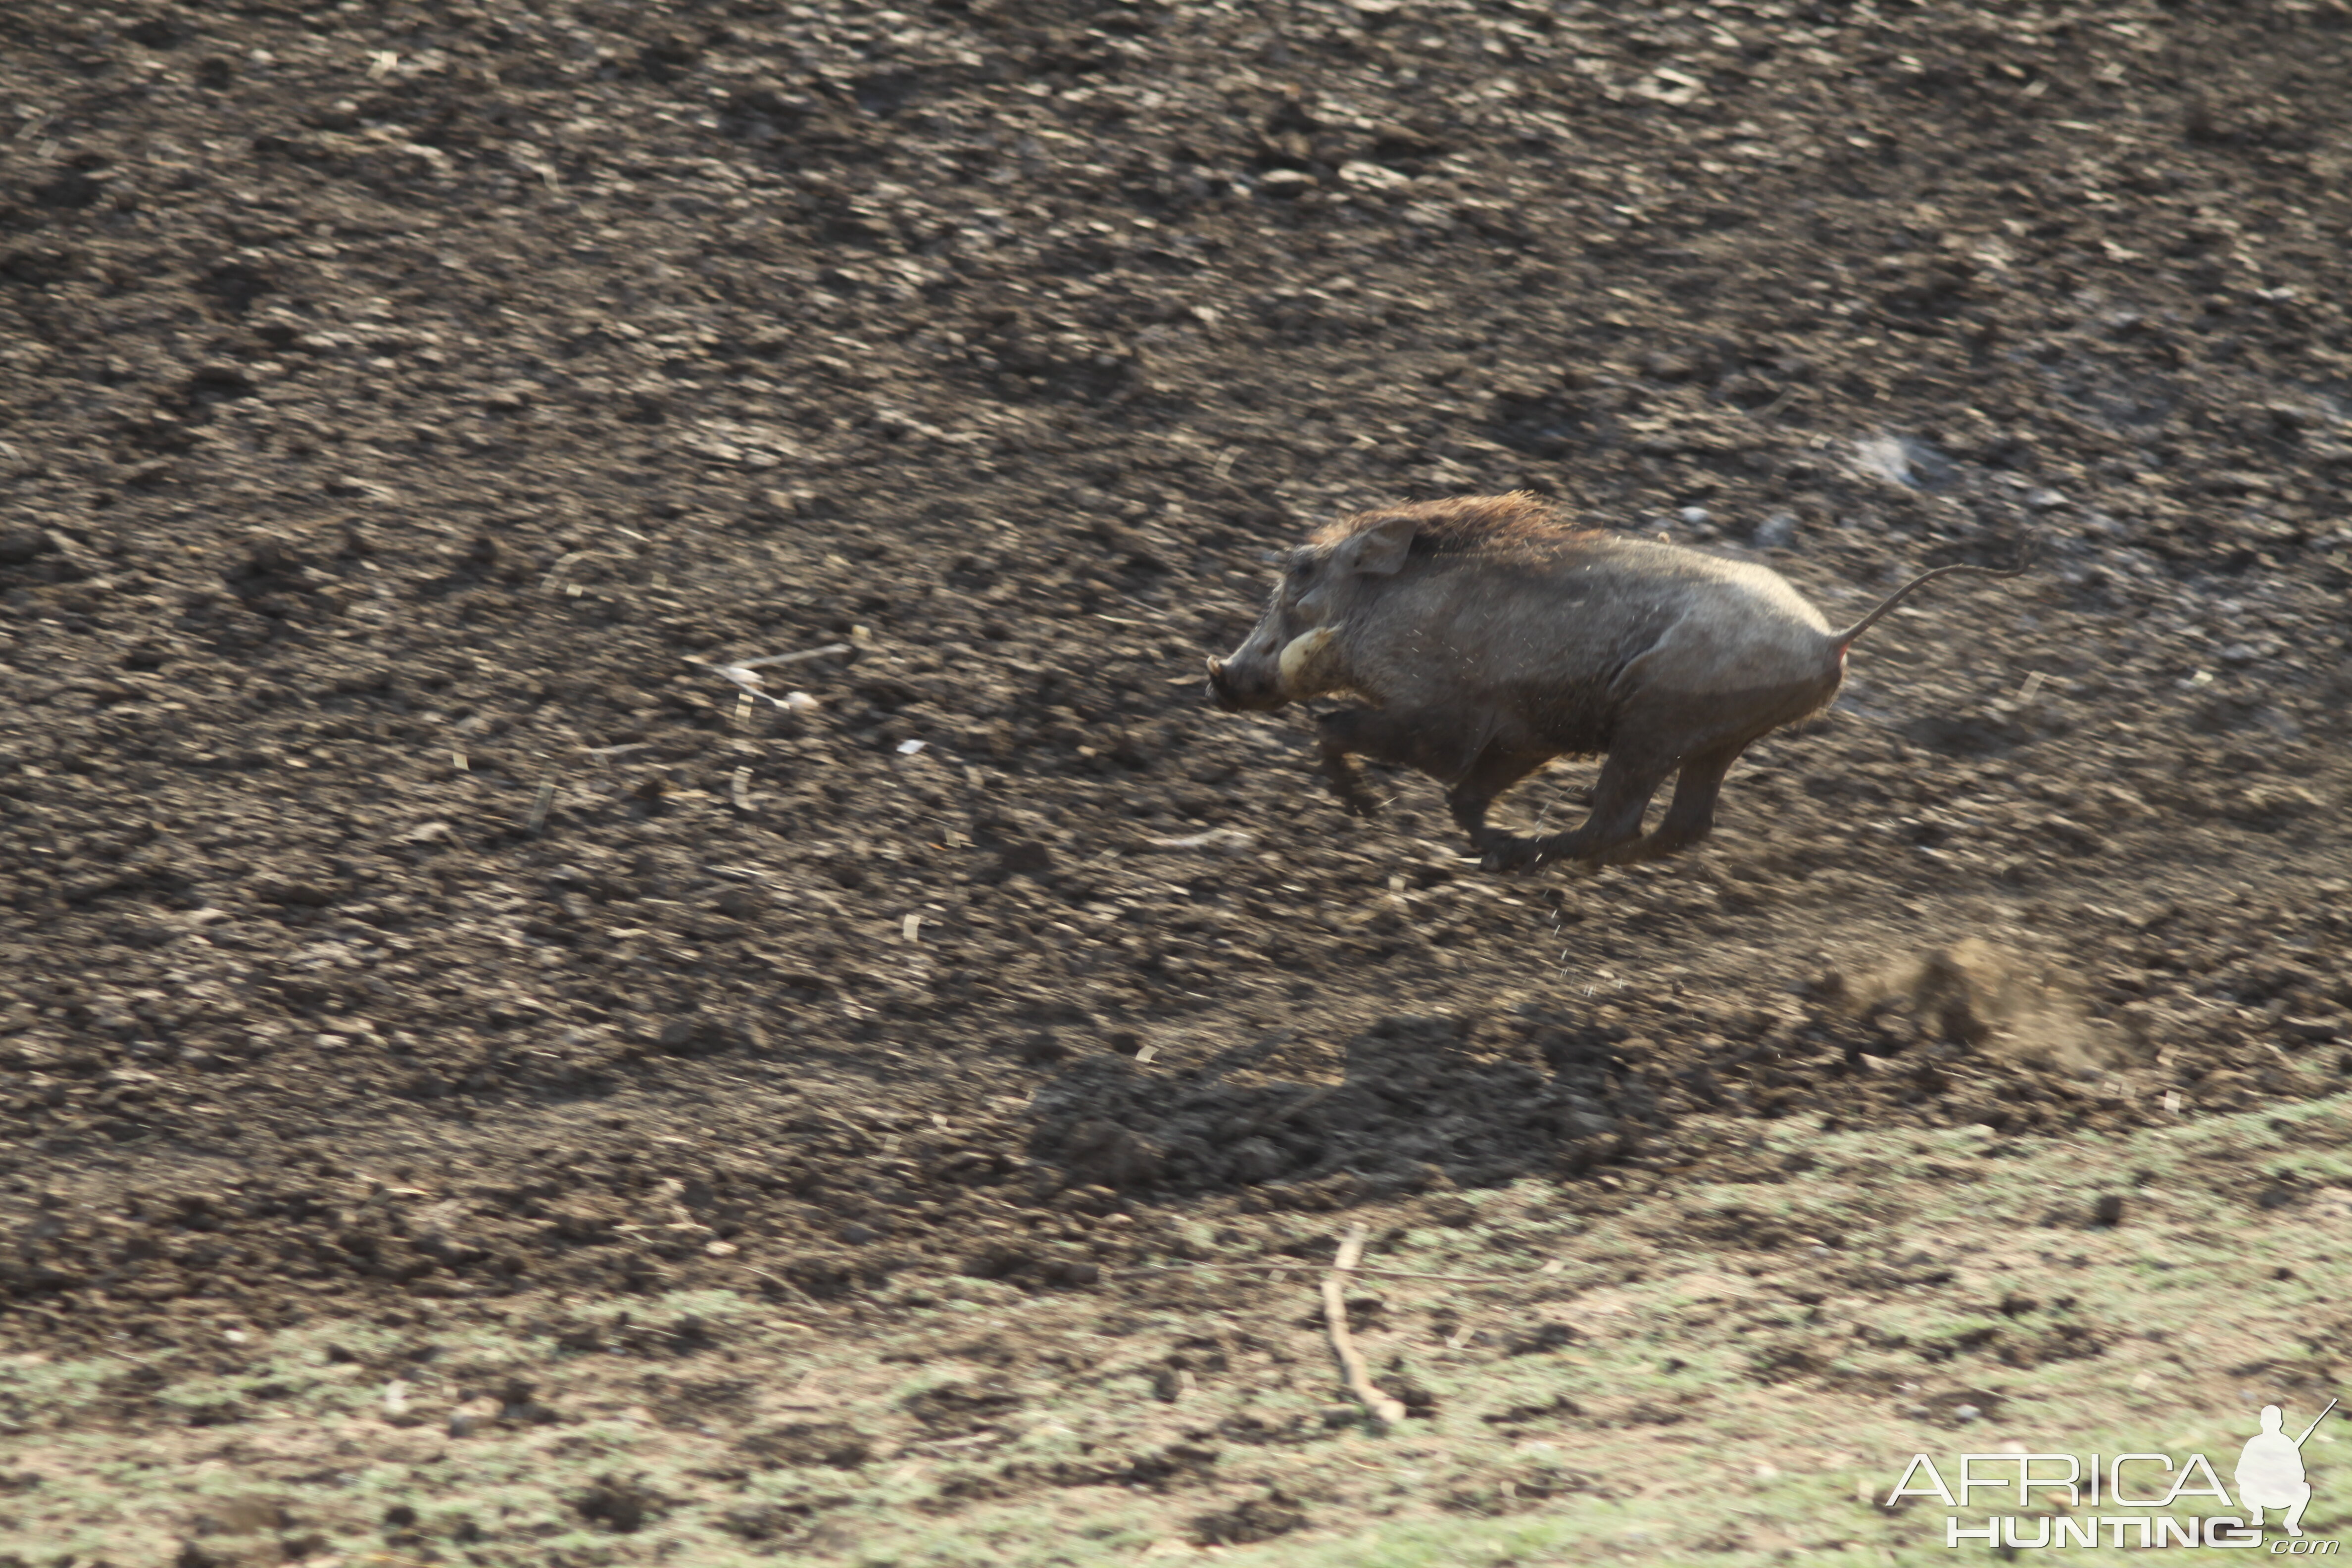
(1238, 685)
(1221, 687)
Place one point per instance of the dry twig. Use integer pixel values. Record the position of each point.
(745, 675)
(1286, 1267)
(806, 653)
(1385, 1410)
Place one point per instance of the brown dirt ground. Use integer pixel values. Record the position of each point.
(406, 406)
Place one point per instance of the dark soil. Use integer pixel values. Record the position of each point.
(408, 409)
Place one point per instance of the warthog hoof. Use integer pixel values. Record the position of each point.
(1507, 852)
(1347, 784)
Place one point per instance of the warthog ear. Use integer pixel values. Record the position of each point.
(1379, 551)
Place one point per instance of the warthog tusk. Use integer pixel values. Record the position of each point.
(1304, 660)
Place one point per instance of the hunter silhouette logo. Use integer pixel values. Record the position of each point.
(2058, 1501)
(2270, 1470)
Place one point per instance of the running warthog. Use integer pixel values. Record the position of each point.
(1486, 639)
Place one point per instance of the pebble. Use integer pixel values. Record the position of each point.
(1216, 841)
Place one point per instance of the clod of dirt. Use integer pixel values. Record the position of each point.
(518, 1407)
(1028, 858)
(1958, 1406)
(21, 545)
(1117, 1123)
(964, 1407)
(245, 1516)
(1106, 1154)
(620, 1505)
(766, 1521)
(1989, 998)
(1542, 1337)
(1259, 1519)
(1558, 1407)
(802, 1444)
(1408, 1391)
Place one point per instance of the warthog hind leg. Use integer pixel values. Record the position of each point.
(1691, 816)
(1619, 797)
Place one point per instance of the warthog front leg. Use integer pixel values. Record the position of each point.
(1339, 772)
(1496, 770)
(1437, 744)
(1350, 730)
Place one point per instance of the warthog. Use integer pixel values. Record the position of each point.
(1485, 637)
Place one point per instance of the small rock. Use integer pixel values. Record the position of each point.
(1776, 531)
(1254, 1160)
(741, 904)
(1285, 183)
(1105, 1153)
(1373, 177)
(2073, 836)
(518, 1407)
(1215, 841)
(1696, 516)
(1259, 1519)
(619, 1505)
(1040, 1049)
(1029, 860)
(1885, 458)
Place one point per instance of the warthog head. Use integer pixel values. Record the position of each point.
(1292, 652)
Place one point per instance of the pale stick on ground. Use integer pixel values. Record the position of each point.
(1385, 1410)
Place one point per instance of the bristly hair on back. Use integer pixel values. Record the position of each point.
(1464, 524)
